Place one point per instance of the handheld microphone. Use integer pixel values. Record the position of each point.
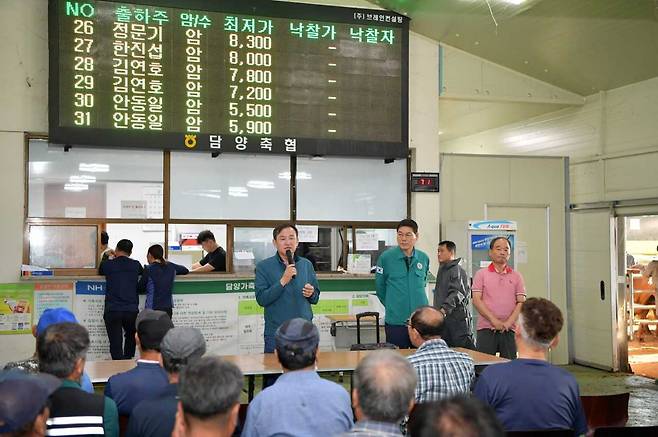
(290, 260)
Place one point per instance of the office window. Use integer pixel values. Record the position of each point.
(183, 248)
(142, 236)
(63, 247)
(370, 243)
(238, 187)
(351, 189)
(94, 183)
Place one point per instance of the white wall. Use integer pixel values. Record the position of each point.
(424, 135)
(612, 141)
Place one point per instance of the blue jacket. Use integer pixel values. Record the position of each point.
(155, 417)
(121, 276)
(157, 281)
(127, 389)
(284, 303)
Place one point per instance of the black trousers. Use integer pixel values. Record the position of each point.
(398, 335)
(490, 342)
(120, 325)
(456, 329)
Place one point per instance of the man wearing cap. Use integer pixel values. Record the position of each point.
(300, 403)
(155, 417)
(121, 300)
(31, 365)
(62, 350)
(400, 280)
(24, 403)
(148, 379)
(285, 288)
(209, 394)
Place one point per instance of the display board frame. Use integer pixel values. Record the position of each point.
(96, 137)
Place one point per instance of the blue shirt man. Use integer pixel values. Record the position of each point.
(300, 403)
(148, 379)
(285, 288)
(121, 300)
(529, 393)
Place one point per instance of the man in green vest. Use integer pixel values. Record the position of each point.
(400, 279)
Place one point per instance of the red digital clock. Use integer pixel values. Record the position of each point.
(425, 182)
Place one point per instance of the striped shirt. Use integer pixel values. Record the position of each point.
(442, 372)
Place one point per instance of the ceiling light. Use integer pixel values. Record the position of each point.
(513, 2)
(76, 187)
(300, 175)
(261, 185)
(303, 175)
(82, 179)
(94, 167)
(238, 192)
(38, 167)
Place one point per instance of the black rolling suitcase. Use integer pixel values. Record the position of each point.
(369, 346)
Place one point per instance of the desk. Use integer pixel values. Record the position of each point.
(267, 364)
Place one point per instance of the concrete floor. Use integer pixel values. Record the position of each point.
(643, 403)
(643, 356)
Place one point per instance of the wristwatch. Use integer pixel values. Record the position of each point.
(443, 312)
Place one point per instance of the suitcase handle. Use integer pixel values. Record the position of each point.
(358, 316)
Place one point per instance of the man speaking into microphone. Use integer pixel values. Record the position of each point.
(286, 284)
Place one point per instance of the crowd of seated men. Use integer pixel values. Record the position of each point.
(175, 389)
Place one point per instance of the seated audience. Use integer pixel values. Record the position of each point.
(24, 403)
(148, 379)
(48, 317)
(209, 399)
(460, 416)
(155, 417)
(62, 350)
(442, 372)
(300, 403)
(383, 394)
(529, 393)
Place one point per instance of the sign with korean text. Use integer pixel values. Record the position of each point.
(238, 76)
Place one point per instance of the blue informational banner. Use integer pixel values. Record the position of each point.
(482, 242)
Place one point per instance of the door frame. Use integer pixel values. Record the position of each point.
(547, 209)
(614, 292)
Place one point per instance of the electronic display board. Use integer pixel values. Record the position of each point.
(229, 76)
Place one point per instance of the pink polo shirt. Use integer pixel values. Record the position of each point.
(499, 291)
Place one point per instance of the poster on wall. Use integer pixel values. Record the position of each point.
(16, 308)
(52, 295)
(88, 308)
(226, 312)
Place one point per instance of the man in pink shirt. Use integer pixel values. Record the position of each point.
(498, 294)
